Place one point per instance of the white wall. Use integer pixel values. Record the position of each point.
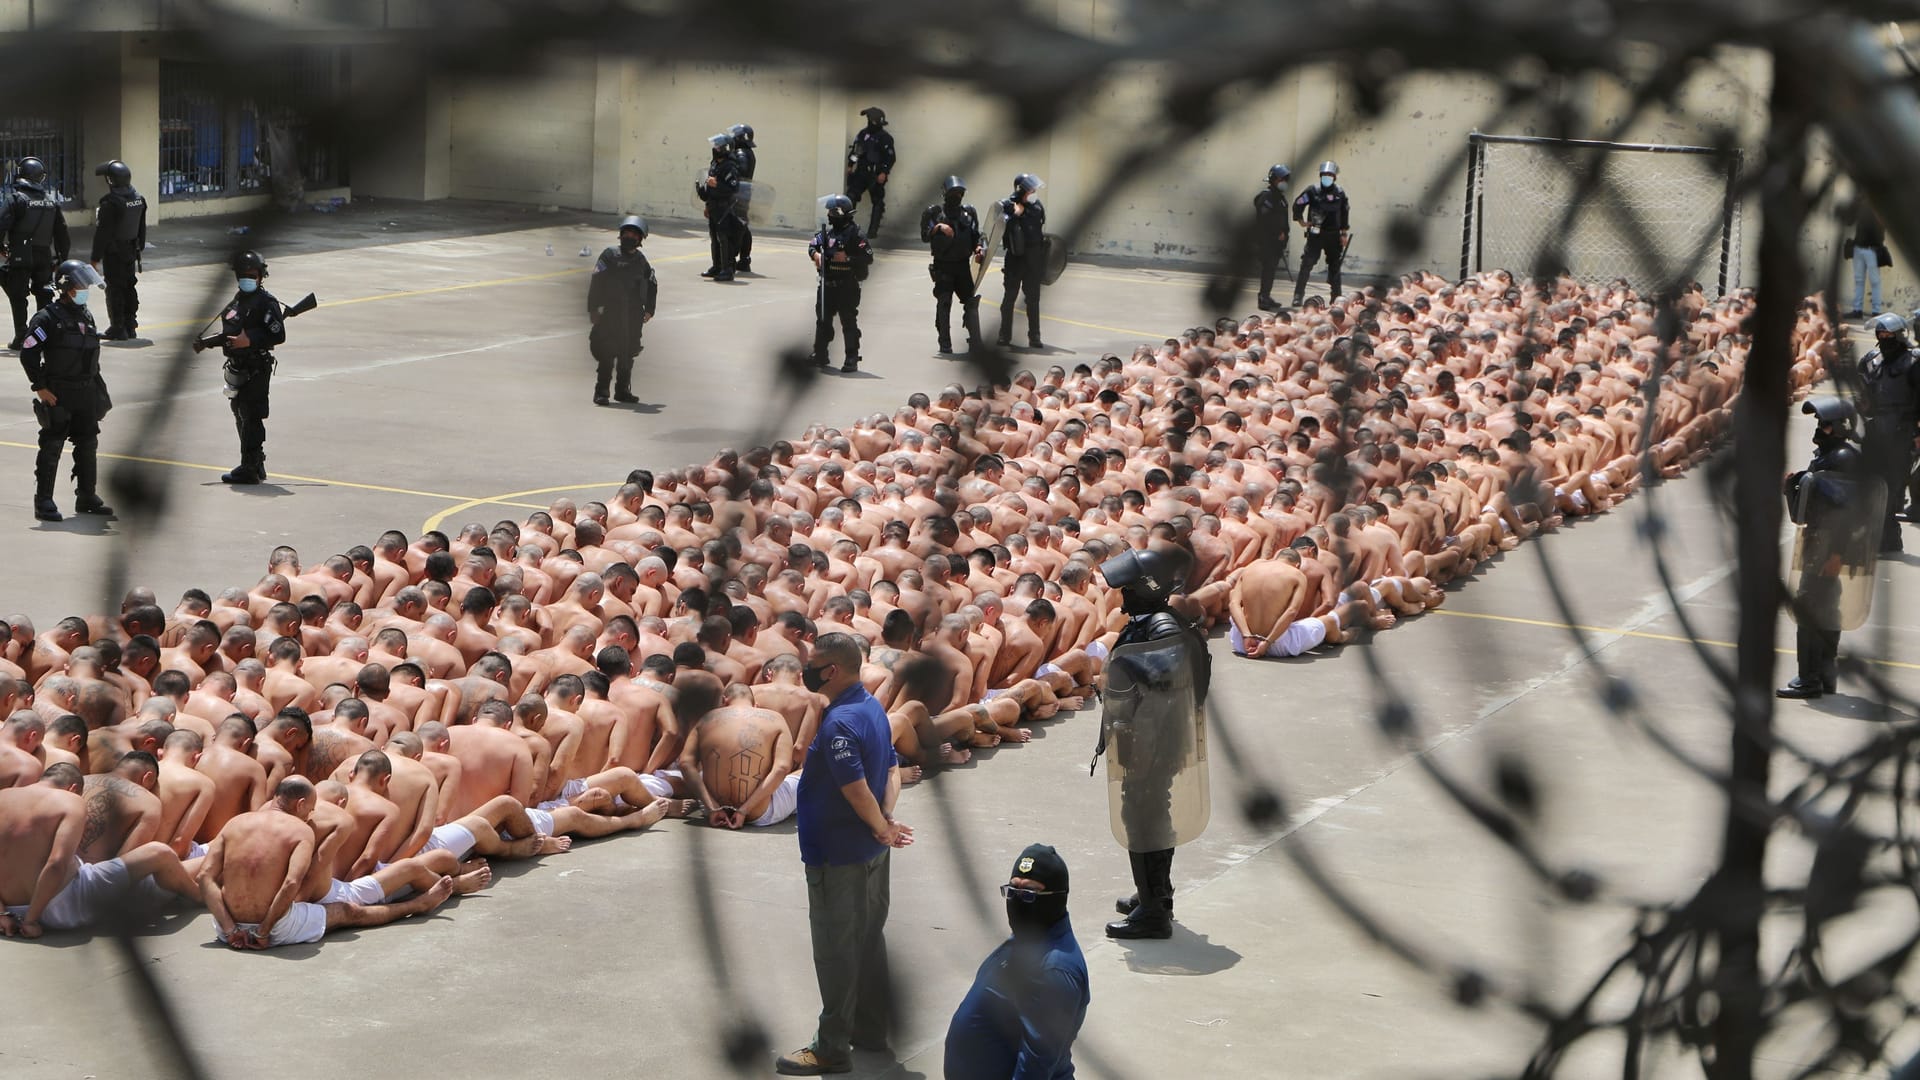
(528, 140)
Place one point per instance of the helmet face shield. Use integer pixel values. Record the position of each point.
(76, 274)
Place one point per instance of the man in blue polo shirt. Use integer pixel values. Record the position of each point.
(847, 790)
(1030, 995)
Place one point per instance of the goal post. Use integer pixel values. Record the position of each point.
(1655, 215)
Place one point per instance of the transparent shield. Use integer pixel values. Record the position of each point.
(1158, 792)
(1831, 572)
(990, 226)
(1056, 250)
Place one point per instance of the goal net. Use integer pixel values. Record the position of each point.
(1657, 216)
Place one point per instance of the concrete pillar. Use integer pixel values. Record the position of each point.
(410, 157)
(122, 120)
(834, 133)
(618, 95)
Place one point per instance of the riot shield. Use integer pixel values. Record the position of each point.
(1158, 793)
(1831, 570)
(756, 201)
(1056, 251)
(990, 240)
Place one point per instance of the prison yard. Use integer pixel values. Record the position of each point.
(495, 700)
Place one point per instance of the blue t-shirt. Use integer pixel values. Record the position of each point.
(1023, 1011)
(854, 743)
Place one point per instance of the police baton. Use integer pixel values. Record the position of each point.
(1344, 245)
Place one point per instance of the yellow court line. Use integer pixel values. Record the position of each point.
(1097, 326)
(290, 476)
(1617, 632)
(441, 289)
(438, 519)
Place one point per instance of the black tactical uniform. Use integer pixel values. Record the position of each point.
(1270, 231)
(1819, 498)
(1024, 268)
(869, 161)
(620, 298)
(1155, 737)
(1322, 210)
(249, 368)
(61, 356)
(953, 254)
(744, 157)
(721, 193)
(1892, 405)
(33, 236)
(119, 236)
(843, 256)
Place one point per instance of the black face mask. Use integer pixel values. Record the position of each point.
(1035, 918)
(629, 244)
(813, 679)
(954, 197)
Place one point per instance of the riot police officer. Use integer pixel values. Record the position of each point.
(1836, 502)
(869, 162)
(1153, 731)
(1270, 230)
(721, 192)
(1322, 210)
(952, 229)
(746, 160)
(33, 237)
(252, 324)
(119, 236)
(1025, 265)
(1892, 403)
(842, 257)
(61, 355)
(620, 298)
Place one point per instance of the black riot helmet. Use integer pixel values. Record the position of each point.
(1891, 330)
(116, 172)
(33, 170)
(742, 136)
(722, 143)
(1328, 168)
(839, 209)
(1835, 412)
(76, 274)
(953, 188)
(875, 115)
(1151, 576)
(249, 264)
(635, 225)
(1278, 175)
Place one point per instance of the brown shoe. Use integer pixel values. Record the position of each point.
(804, 1062)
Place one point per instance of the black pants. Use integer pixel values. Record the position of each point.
(743, 258)
(1818, 649)
(723, 235)
(1325, 242)
(33, 275)
(1023, 275)
(123, 298)
(1889, 450)
(613, 355)
(250, 420)
(841, 297)
(861, 181)
(71, 419)
(949, 281)
(1273, 252)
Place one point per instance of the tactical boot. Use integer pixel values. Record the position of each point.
(91, 504)
(852, 365)
(1801, 688)
(1151, 916)
(45, 509)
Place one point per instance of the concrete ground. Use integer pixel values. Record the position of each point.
(445, 379)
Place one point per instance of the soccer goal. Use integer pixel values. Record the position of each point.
(1657, 216)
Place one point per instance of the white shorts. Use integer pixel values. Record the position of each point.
(569, 791)
(1299, 637)
(991, 694)
(1047, 669)
(542, 822)
(785, 798)
(1097, 650)
(94, 886)
(303, 924)
(453, 837)
(195, 849)
(364, 891)
(660, 784)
